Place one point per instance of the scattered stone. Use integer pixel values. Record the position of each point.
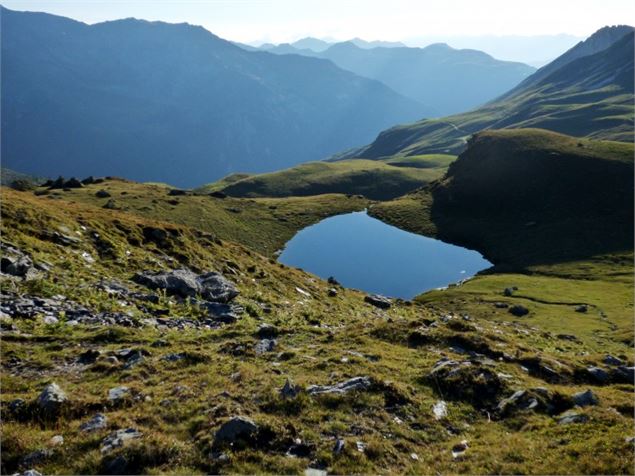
(518, 310)
(360, 446)
(218, 194)
(289, 390)
(508, 292)
(51, 399)
(587, 398)
(572, 417)
(459, 449)
(177, 192)
(19, 265)
(119, 438)
(57, 440)
(117, 394)
(160, 343)
(73, 183)
(464, 380)
(183, 282)
(236, 429)
(102, 194)
(440, 410)
(36, 457)
(356, 383)
(50, 320)
(379, 301)
(174, 357)
(314, 472)
(581, 308)
(624, 374)
(97, 422)
(414, 456)
(610, 360)
(333, 281)
(134, 358)
(501, 305)
(88, 357)
(267, 331)
(598, 374)
(569, 337)
(332, 292)
(111, 204)
(339, 446)
(265, 345)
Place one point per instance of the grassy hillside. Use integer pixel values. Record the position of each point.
(552, 212)
(372, 179)
(263, 225)
(177, 404)
(586, 96)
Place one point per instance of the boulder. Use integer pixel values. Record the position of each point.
(97, 422)
(583, 399)
(119, 438)
(117, 394)
(289, 390)
(355, 383)
(102, 194)
(518, 310)
(236, 429)
(463, 380)
(265, 345)
(51, 399)
(185, 283)
(598, 374)
(88, 357)
(610, 360)
(572, 417)
(624, 374)
(581, 308)
(379, 301)
(440, 410)
(267, 331)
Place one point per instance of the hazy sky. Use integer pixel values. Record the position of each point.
(288, 20)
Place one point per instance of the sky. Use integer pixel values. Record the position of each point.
(411, 21)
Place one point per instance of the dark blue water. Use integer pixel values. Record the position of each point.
(364, 253)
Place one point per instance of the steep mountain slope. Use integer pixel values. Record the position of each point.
(591, 95)
(441, 77)
(166, 102)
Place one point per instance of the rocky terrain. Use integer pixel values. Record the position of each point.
(138, 344)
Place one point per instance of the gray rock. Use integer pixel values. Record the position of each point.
(31, 472)
(440, 410)
(102, 194)
(332, 292)
(379, 301)
(581, 308)
(610, 360)
(572, 417)
(20, 265)
(583, 399)
(237, 428)
(56, 440)
(119, 438)
(174, 357)
(51, 399)
(624, 374)
(598, 374)
(339, 446)
(508, 292)
(50, 320)
(117, 394)
(289, 390)
(518, 310)
(36, 457)
(133, 359)
(356, 383)
(97, 422)
(519, 400)
(185, 283)
(265, 345)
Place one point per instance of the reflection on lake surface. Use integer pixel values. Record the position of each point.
(364, 253)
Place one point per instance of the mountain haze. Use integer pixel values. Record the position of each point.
(585, 92)
(441, 77)
(173, 102)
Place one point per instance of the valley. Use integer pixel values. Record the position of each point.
(188, 285)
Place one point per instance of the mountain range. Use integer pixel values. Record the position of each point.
(172, 102)
(443, 78)
(586, 92)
